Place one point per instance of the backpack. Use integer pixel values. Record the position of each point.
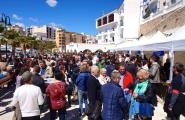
(57, 95)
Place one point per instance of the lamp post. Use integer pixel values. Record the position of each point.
(5, 22)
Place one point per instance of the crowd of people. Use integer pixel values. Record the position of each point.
(107, 86)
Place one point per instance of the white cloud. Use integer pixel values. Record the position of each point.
(20, 24)
(16, 17)
(33, 19)
(52, 3)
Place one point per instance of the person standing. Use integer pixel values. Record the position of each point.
(175, 100)
(29, 97)
(154, 75)
(93, 91)
(82, 88)
(45, 71)
(113, 99)
(56, 92)
(109, 68)
(131, 66)
(126, 79)
(37, 79)
(141, 106)
(167, 68)
(103, 79)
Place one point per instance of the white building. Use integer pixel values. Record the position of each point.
(110, 27)
(77, 47)
(42, 32)
(91, 39)
(151, 9)
(136, 18)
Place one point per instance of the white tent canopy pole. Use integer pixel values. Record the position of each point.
(172, 62)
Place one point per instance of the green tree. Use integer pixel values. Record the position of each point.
(14, 39)
(2, 39)
(1, 28)
(44, 46)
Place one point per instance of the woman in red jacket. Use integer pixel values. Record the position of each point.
(56, 92)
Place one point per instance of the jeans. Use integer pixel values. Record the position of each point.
(61, 114)
(82, 97)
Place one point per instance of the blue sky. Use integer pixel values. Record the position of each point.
(73, 15)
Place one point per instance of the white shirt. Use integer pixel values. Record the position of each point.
(121, 81)
(29, 98)
(103, 80)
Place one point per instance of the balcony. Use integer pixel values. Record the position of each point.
(105, 20)
(157, 8)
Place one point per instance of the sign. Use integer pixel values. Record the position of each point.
(138, 53)
(158, 53)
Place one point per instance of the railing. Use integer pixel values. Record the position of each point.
(157, 7)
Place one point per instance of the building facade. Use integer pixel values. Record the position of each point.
(149, 16)
(64, 38)
(110, 27)
(163, 15)
(136, 18)
(46, 33)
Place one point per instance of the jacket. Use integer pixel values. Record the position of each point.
(82, 80)
(177, 90)
(114, 102)
(128, 81)
(37, 80)
(93, 90)
(143, 104)
(57, 92)
(154, 73)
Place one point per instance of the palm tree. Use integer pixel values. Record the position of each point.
(28, 42)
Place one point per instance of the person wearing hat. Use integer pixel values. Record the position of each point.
(29, 97)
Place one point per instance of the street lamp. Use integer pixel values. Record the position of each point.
(5, 22)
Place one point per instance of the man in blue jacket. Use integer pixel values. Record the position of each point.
(113, 99)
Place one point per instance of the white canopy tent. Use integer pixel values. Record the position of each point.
(144, 43)
(159, 42)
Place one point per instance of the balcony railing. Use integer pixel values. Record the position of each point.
(157, 7)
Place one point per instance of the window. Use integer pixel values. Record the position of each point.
(173, 1)
(105, 20)
(99, 22)
(121, 21)
(111, 18)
